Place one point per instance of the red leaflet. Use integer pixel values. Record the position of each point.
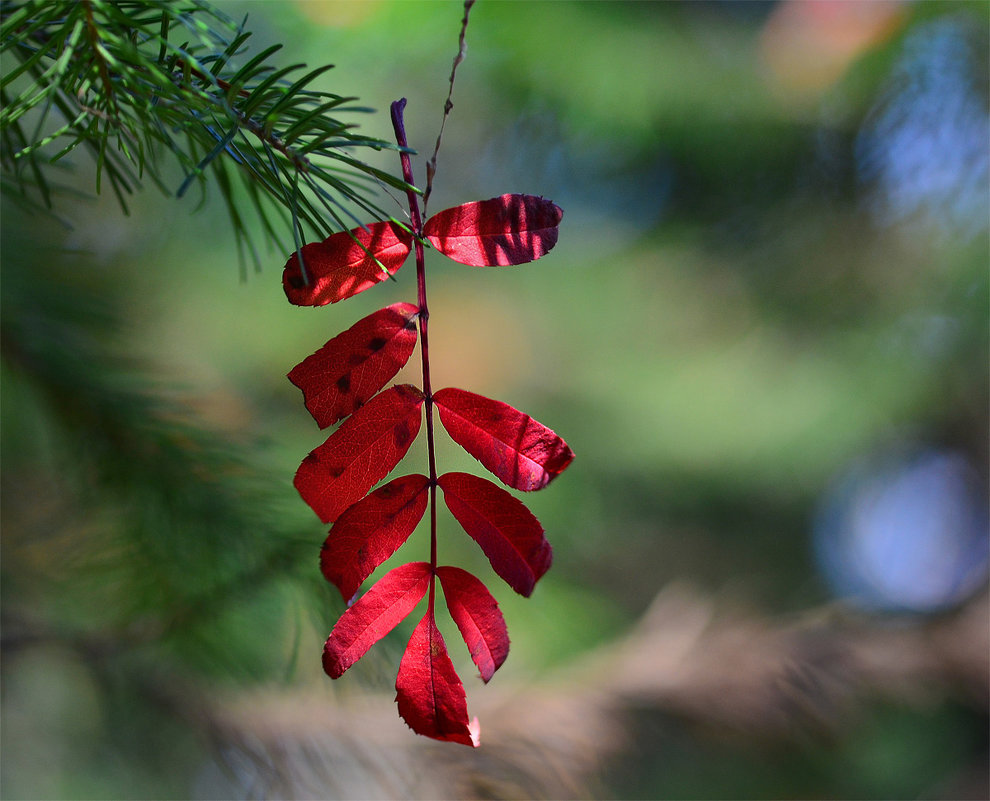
(378, 611)
(511, 537)
(511, 229)
(339, 266)
(371, 530)
(477, 617)
(354, 365)
(523, 453)
(361, 452)
(430, 695)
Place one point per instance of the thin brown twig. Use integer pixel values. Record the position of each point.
(93, 34)
(431, 165)
(260, 130)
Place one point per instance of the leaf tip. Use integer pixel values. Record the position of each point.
(332, 665)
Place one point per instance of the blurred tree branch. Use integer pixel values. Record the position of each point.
(706, 664)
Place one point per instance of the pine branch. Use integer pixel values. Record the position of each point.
(145, 84)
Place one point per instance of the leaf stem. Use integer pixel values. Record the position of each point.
(424, 317)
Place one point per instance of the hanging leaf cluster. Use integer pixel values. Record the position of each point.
(345, 380)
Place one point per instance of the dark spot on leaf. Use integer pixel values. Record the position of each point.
(401, 435)
(296, 281)
(344, 383)
(376, 344)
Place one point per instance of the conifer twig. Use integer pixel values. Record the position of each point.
(142, 83)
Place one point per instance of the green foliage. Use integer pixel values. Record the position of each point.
(141, 84)
(168, 521)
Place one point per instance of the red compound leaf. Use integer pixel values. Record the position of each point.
(430, 695)
(523, 453)
(345, 263)
(511, 229)
(354, 365)
(478, 618)
(361, 452)
(371, 530)
(377, 612)
(340, 382)
(511, 537)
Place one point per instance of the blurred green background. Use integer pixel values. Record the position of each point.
(763, 332)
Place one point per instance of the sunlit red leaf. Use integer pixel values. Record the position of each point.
(354, 365)
(345, 263)
(374, 615)
(430, 695)
(511, 537)
(511, 229)
(478, 618)
(523, 453)
(361, 452)
(371, 530)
